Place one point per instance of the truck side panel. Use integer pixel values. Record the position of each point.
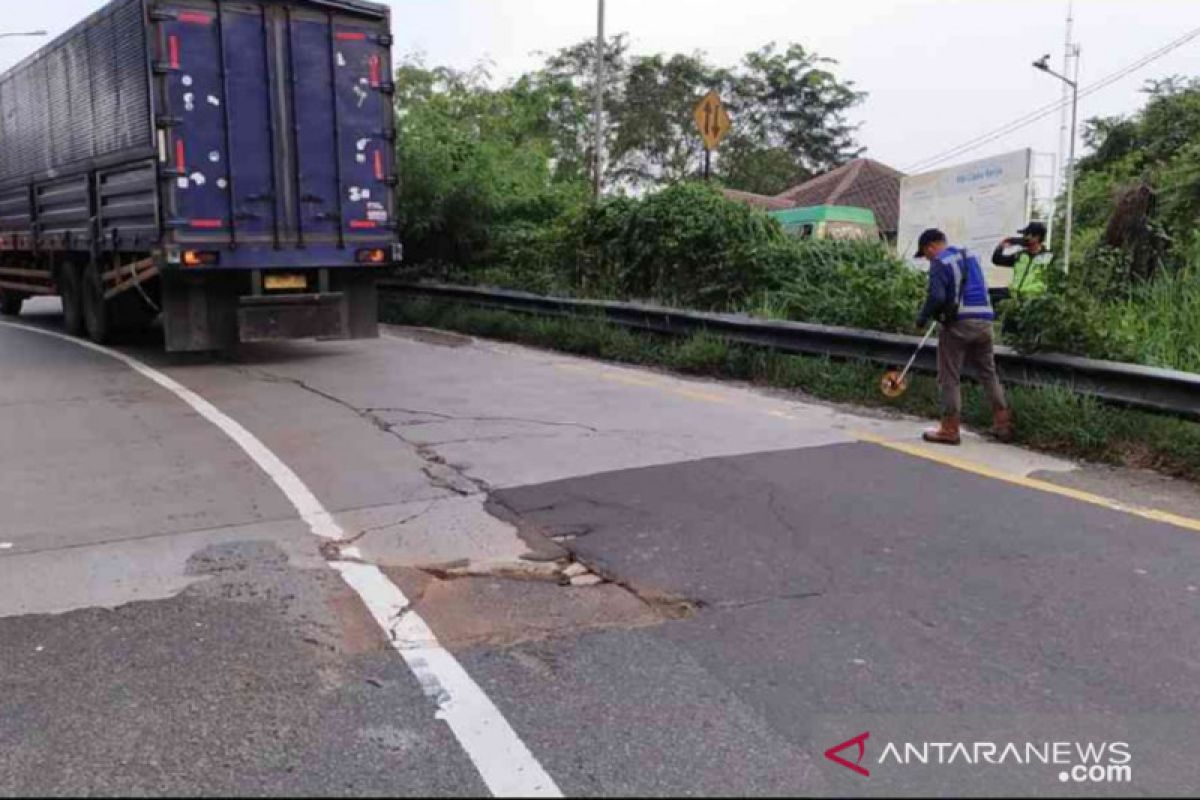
(83, 97)
(228, 164)
(77, 106)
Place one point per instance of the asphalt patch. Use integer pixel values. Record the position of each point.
(848, 586)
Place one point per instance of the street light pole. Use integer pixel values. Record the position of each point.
(598, 120)
(1043, 64)
(25, 33)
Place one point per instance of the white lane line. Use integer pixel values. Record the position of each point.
(504, 762)
(506, 765)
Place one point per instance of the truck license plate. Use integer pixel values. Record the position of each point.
(289, 283)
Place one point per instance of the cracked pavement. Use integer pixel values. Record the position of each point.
(764, 585)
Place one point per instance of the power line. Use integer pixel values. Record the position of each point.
(1047, 110)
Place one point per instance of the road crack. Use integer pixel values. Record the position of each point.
(440, 417)
(441, 474)
(735, 605)
(397, 524)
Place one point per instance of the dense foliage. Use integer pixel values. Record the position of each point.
(485, 169)
(496, 189)
(1134, 288)
(689, 246)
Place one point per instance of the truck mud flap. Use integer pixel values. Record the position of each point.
(272, 318)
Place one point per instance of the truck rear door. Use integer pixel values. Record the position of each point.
(278, 127)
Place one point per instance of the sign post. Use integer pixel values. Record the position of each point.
(715, 123)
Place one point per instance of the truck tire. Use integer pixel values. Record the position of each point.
(10, 303)
(68, 288)
(95, 308)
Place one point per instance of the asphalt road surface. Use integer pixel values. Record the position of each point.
(632, 583)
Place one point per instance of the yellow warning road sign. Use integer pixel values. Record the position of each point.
(713, 120)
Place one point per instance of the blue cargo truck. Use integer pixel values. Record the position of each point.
(227, 165)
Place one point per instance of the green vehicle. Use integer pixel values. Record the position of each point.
(839, 223)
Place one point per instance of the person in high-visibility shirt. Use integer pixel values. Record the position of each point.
(1030, 260)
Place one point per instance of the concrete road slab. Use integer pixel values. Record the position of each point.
(260, 680)
(432, 532)
(93, 453)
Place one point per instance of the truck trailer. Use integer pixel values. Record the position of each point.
(224, 165)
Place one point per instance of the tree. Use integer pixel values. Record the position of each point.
(656, 142)
(1153, 151)
(486, 170)
(788, 104)
(568, 80)
(789, 115)
(472, 160)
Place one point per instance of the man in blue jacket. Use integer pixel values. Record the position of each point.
(958, 299)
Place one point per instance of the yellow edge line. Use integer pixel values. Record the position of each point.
(1155, 515)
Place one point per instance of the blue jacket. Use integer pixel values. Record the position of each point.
(946, 276)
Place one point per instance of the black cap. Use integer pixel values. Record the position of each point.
(1034, 229)
(927, 238)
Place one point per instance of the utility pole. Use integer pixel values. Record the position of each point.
(1043, 64)
(1065, 119)
(1071, 160)
(598, 116)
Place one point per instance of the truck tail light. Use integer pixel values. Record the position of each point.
(378, 256)
(200, 258)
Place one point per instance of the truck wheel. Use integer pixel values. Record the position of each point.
(68, 289)
(11, 302)
(95, 307)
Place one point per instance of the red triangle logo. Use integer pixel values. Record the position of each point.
(860, 742)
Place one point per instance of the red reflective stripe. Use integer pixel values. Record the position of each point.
(379, 165)
(180, 156)
(346, 36)
(174, 45)
(361, 223)
(205, 223)
(195, 18)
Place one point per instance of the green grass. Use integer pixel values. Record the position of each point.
(1054, 420)
(1164, 319)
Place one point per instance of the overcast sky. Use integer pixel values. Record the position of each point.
(937, 72)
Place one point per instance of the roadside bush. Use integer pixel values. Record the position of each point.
(1067, 318)
(854, 284)
(1163, 318)
(1097, 312)
(690, 247)
(685, 246)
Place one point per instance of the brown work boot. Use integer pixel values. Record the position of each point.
(1002, 425)
(948, 433)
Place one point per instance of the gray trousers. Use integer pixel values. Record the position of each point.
(968, 341)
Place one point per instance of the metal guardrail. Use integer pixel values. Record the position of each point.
(1132, 385)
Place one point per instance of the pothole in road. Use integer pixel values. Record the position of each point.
(561, 572)
(503, 582)
(469, 608)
